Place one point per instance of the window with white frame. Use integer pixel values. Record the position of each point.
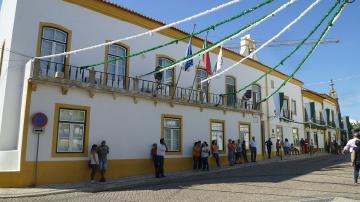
(230, 91)
(244, 132)
(295, 132)
(172, 133)
(117, 66)
(256, 96)
(53, 41)
(293, 107)
(71, 131)
(168, 75)
(217, 133)
(201, 74)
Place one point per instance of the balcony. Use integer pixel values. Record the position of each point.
(67, 76)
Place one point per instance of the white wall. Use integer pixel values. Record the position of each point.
(294, 93)
(130, 128)
(10, 81)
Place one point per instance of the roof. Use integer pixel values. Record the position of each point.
(116, 11)
(319, 97)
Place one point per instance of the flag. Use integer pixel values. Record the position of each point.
(219, 61)
(279, 102)
(189, 63)
(206, 59)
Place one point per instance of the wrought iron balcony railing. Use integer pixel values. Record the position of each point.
(45, 70)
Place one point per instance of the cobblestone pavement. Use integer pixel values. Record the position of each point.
(324, 178)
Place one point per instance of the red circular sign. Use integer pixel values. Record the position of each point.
(39, 120)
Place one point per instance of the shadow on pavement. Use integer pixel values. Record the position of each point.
(271, 173)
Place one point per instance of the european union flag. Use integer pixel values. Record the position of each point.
(189, 63)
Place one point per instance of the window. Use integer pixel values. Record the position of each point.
(2, 56)
(116, 68)
(279, 133)
(295, 132)
(172, 132)
(293, 107)
(332, 117)
(256, 95)
(321, 118)
(201, 74)
(53, 41)
(244, 132)
(217, 133)
(230, 90)
(286, 108)
(272, 84)
(168, 75)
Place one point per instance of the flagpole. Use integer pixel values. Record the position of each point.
(192, 87)
(177, 82)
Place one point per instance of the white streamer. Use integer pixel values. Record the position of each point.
(272, 14)
(268, 42)
(150, 32)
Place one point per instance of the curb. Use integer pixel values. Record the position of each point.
(133, 182)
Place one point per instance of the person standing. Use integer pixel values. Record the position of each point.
(196, 152)
(103, 152)
(311, 146)
(215, 152)
(205, 156)
(238, 151)
(244, 151)
(350, 145)
(269, 144)
(302, 146)
(153, 155)
(160, 155)
(355, 160)
(278, 147)
(231, 152)
(94, 162)
(286, 147)
(253, 149)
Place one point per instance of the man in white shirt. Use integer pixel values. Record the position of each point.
(349, 147)
(253, 149)
(160, 155)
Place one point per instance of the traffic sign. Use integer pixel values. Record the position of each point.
(39, 120)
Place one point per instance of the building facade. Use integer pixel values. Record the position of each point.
(86, 104)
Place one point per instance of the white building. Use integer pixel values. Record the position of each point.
(108, 102)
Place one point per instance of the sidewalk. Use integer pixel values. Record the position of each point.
(129, 182)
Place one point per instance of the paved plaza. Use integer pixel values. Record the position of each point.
(322, 178)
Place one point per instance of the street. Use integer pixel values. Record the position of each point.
(325, 178)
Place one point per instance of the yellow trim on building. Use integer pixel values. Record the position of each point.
(224, 132)
(127, 66)
(68, 42)
(54, 152)
(132, 17)
(312, 96)
(2, 55)
(163, 116)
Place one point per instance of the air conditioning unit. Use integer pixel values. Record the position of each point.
(59, 75)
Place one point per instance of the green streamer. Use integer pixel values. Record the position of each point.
(292, 52)
(212, 27)
(203, 50)
(330, 24)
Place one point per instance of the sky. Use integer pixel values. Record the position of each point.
(330, 61)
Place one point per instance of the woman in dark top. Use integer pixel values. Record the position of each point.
(355, 159)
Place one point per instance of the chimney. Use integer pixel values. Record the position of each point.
(247, 46)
